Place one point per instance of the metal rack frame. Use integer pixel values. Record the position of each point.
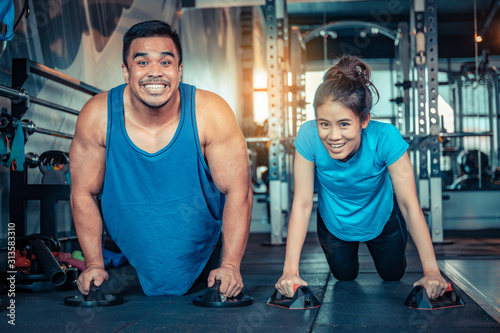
(20, 190)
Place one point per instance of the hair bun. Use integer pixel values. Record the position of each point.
(348, 82)
(351, 68)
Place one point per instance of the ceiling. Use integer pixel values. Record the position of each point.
(455, 26)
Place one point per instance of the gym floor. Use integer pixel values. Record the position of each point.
(470, 261)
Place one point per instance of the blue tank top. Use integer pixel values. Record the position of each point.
(163, 209)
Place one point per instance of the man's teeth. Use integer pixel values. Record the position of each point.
(337, 145)
(154, 86)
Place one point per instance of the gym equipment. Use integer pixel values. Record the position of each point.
(418, 299)
(78, 255)
(470, 163)
(471, 182)
(23, 242)
(476, 168)
(213, 299)
(65, 257)
(303, 298)
(54, 165)
(32, 160)
(97, 297)
(496, 174)
(24, 71)
(39, 270)
(112, 258)
(48, 263)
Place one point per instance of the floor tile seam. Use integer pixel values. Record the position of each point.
(477, 296)
(467, 257)
(366, 326)
(328, 278)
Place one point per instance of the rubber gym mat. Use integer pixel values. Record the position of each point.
(367, 304)
(372, 304)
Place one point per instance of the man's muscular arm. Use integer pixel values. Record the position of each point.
(226, 155)
(87, 165)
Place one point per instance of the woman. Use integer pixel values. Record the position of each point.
(361, 168)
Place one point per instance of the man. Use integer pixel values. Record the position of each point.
(171, 164)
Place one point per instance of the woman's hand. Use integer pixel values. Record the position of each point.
(286, 283)
(435, 285)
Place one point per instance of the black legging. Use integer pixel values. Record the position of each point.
(387, 250)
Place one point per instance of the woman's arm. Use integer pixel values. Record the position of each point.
(297, 226)
(403, 182)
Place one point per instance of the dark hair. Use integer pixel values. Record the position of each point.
(347, 82)
(150, 29)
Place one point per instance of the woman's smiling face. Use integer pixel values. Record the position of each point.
(339, 129)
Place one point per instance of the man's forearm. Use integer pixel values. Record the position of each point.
(236, 227)
(88, 225)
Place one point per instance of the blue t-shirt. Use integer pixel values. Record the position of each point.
(355, 198)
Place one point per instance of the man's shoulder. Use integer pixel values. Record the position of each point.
(211, 106)
(214, 117)
(100, 97)
(93, 116)
(95, 105)
(207, 96)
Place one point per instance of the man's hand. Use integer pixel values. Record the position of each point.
(231, 282)
(94, 273)
(435, 285)
(286, 282)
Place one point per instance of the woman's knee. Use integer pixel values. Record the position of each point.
(392, 277)
(345, 275)
(392, 274)
(342, 267)
(344, 270)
